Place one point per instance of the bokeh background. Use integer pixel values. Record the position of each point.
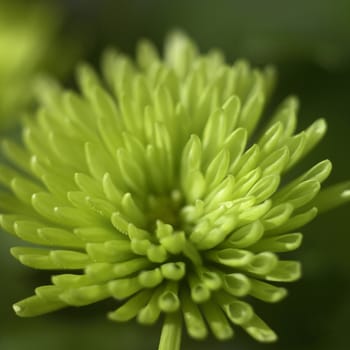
(308, 42)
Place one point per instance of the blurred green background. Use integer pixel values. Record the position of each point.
(309, 43)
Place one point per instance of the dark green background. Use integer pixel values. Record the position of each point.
(309, 43)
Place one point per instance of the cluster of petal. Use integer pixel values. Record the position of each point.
(151, 184)
(24, 36)
(29, 43)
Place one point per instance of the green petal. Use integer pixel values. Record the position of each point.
(259, 330)
(199, 290)
(295, 222)
(170, 338)
(130, 309)
(238, 312)
(110, 251)
(245, 236)
(262, 264)
(193, 318)
(168, 300)
(266, 292)
(300, 194)
(230, 257)
(217, 321)
(50, 259)
(174, 271)
(149, 314)
(279, 244)
(35, 306)
(151, 278)
(285, 271)
(125, 287)
(277, 216)
(85, 295)
(236, 284)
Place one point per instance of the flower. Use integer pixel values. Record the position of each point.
(155, 185)
(29, 43)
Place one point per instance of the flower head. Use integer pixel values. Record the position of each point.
(155, 185)
(29, 43)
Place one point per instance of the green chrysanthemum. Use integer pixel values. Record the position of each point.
(154, 188)
(27, 34)
(23, 43)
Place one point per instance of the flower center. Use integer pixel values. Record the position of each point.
(166, 209)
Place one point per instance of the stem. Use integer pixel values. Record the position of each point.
(170, 338)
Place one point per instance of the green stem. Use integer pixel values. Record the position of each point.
(170, 338)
